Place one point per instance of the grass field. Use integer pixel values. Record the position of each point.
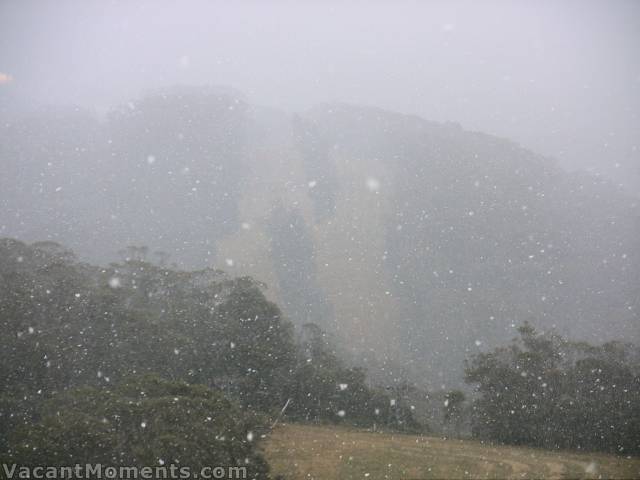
(322, 452)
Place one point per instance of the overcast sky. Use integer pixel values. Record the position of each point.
(562, 78)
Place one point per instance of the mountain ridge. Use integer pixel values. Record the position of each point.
(385, 228)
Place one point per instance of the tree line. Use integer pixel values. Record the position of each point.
(137, 362)
(546, 391)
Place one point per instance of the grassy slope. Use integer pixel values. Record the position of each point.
(321, 452)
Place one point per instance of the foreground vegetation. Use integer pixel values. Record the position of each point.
(330, 452)
(547, 392)
(137, 362)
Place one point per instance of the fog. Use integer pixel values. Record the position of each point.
(561, 78)
(398, 216)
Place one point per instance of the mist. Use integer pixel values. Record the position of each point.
(561, 78)
(405, 217)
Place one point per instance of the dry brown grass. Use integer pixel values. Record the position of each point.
(329, 453)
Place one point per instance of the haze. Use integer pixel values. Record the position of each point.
(417, 178)
(561, 78)
(227, 228)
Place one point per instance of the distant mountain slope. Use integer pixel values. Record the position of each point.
(480, 234)
(413, 240)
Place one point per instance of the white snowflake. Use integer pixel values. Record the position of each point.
(373, 184)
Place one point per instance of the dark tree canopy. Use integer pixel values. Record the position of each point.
(545, 391)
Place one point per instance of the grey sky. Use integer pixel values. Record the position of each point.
(562, 78)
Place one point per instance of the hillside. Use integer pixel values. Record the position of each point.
(384, 229)
(314, 452)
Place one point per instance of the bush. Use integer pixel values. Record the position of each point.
(144, 421)
(548, 392)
